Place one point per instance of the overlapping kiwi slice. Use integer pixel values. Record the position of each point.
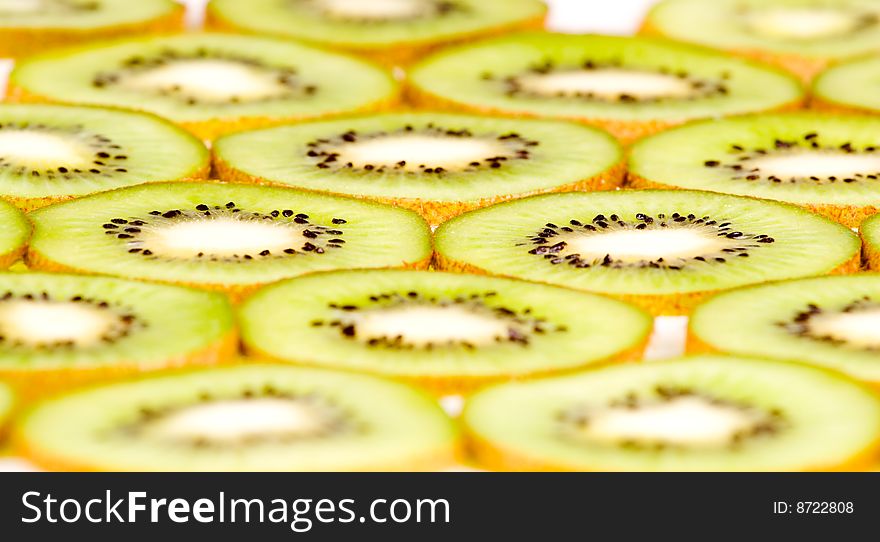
(390, 31)
(450, 332)
(802, 36)
(228, 237)
(14, 233)
(663, 249)
(208, 83)
(50, 153)
(437, 164)
(870, 234)
(704, 413)
(631, 86)
(248, 418)
(59, 331)
(849, 87)
(31, 26)
(829, 164)
(828, 321)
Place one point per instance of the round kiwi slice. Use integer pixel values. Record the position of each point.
(390, 31)
(828, 321)
(870, 234)
(802, 36)
(663, 249)
(850, 86)
(229, 237)
(704, 413)
(247, 418)
(208, 83)
(50, 153)
(828, 164)
(58, 331)
(436, 164)
(31, 26)
(450, 332)
(14, 233)
(630, 86)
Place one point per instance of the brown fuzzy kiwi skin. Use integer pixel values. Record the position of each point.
(22, 42)
(437, 212)
(398, 54)
(848, 215)
(658, 305)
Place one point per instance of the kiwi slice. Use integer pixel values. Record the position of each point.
(208, 83)
(663, 249)
(248, 418)
(801, 36)
(450, 332)
(870, 234)
(704, 413)
(390, 31)
(828, 164)
(630, 86)
(51, 153)
(31, 26)
(14, 232)
(827, 321)
(850, 86)
(436, 164)
(58, 331)
(229, 237)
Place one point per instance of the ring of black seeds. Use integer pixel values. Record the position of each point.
(125, 321)
(740, 242)
(430, 9)
(739, 156)
(320, 238)
(284, 75)
(329, 153)
(336, 420)
(571, 422)
(108, 158)
(800, 325)
(700, 87)
(521, 325)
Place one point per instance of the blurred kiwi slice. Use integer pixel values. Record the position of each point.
(850, 86)
(827, 321)
(390, 31)
(223, 236)
(437, 164)
(704, 413)
(208, 83)
(449, 332)
(663, 249)
(50, 153)
(829, 164)
(802, 36)
(59, 331)
(14, 233)
(630, 86)
(870, 234)
(248, 418)
(32, 26)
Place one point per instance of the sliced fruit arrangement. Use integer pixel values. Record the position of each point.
(850, 86)
(229, 237)
(31, 26)
(50, 153)
(208, 83)
(802, 36)
(870, 233)
(828, 321)
(706, 413)
(59, 331)
(450, 332)
(630, 86)
(662, 249)
(829, 164)
(437, 164)
(389, 31)
(253, 417)
(14, 233)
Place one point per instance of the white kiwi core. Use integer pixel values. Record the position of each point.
(374, 9)
(422, 325)
(37, 149)
(815, 164)
(33, 322)
(801, 23)
(610, 83)
(860, 328)
(413, 151)
(642, 245)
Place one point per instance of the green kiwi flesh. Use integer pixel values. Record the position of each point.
(851, 84)
(14, 233)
